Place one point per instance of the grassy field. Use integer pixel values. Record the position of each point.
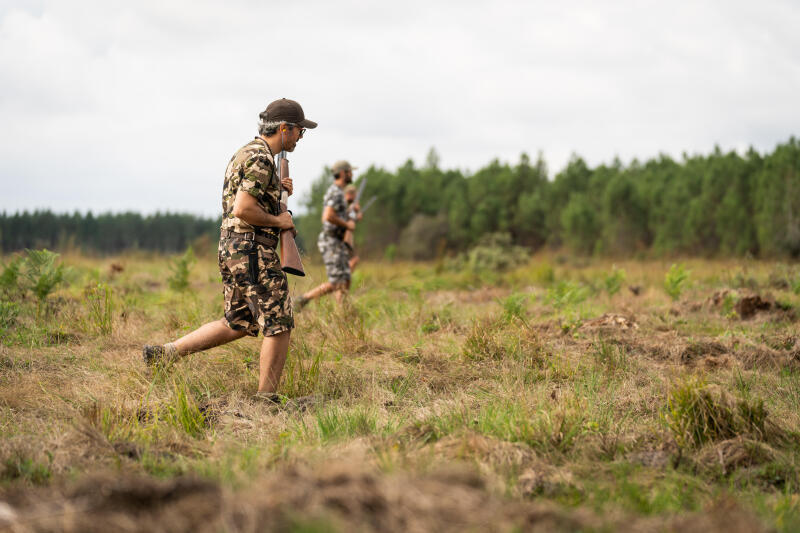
(563, 395)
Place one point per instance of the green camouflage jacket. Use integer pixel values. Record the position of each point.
(252, 170)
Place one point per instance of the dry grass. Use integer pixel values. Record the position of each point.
(547, 398)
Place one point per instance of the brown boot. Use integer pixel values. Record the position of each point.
(158, 354)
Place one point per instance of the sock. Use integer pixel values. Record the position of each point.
(170, 351)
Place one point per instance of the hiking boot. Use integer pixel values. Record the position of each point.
(152, 354)
(277, 401)
(299, 303)
(269, 397)
(158, 354)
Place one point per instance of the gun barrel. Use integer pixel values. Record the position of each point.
(368, 204)
(361, 187)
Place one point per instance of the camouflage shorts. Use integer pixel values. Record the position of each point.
(255, 288)
(336, 256)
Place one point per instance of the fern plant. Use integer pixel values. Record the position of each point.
(675, 280)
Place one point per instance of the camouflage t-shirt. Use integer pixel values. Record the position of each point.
(252, 170)
(334, 198)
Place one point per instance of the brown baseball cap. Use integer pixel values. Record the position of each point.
(288, 111)
(341, 165)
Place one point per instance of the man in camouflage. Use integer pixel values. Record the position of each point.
(335, 253)
(255, 288)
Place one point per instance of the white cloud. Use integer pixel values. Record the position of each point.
(111, 105)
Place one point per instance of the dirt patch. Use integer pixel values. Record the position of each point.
(453, 499)
(110, 503)
(761, 356)
(702, 349)
(341, 496)
(748, 306)
(662, 346)
(612, 321)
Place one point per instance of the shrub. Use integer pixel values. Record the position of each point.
(697, 413)
(8, 317)
(675, 280)
(424, 237)
(10, 278)
(481, 343)
(42, 272)
(514, 307)
(181, 268)
(566, 293)
(496, 253)
(613, 281)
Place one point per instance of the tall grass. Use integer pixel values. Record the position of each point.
(100, 306)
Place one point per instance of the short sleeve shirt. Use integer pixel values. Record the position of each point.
(251, 169)
(334, 197)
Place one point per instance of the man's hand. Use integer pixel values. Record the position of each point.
(351, 225)
(359, 216)
(285, 221)
(286, 183)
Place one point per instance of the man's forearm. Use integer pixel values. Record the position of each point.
(255, 216)
(334, 219)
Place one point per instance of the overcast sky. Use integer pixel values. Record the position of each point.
(109, 105)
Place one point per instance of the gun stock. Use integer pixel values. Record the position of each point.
(290, 255)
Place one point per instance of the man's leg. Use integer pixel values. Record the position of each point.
(318, 291)
(341, 291)
(273, 357)
(329, 249)
(207, 336)
(354, 262)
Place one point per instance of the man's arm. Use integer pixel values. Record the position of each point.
(246, 208)
(329, 215)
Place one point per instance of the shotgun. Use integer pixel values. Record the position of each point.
(368, 204)
(290, 255)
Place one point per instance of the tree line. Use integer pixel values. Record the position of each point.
(723, 203)
(104, 233)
